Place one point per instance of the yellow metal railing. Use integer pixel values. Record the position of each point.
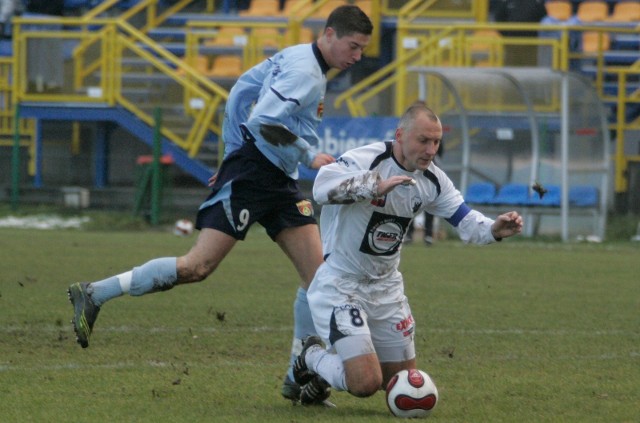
(472, 10)
(7, 116)
(624, 97)
(445, 45)
(202, 41)
(102, 47)
(146, 12)
(103, 75)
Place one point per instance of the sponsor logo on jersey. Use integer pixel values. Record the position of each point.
(416, 203)
(406, 326)
(305, 207)
(379, 202)
(383, 235)
(342, 161)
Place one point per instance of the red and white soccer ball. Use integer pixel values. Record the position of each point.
(183, 227)
(411, 394)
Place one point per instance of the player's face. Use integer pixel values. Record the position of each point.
(345, 51)
(419, 143)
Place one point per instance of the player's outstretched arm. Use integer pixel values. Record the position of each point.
(387, 185)
(506, 225)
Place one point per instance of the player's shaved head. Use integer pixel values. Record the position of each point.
(409, 116)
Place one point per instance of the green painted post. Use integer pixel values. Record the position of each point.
(156, 182)
(15, 160)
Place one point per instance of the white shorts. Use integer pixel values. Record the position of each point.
(344, 305)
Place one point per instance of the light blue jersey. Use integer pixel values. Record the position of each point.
(287, 89)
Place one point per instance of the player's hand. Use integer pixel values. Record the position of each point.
(385, 186)
(507, 225)
(322, 159)
(212, 180)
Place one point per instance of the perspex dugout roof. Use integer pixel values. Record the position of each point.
(521, 126)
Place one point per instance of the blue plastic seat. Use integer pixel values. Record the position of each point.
(583, 196)
(76, 4)
(480, 193)
(551, 198)
(512, 194)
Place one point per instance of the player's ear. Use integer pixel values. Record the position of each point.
(330, 33)
(398, 135)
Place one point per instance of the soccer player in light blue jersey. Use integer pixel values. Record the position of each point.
(269, 128)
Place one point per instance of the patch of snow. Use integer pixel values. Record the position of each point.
(42, 222)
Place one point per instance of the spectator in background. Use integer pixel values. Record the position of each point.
(427, 227)
(46, 7)
(9, 9)
(45, 63)
(518, 11)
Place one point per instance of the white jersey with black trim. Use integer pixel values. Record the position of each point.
(362, 233)
(286, 89)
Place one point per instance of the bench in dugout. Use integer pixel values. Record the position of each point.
(485, 196)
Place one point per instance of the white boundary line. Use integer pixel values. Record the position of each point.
(260, 329)
(4, 368)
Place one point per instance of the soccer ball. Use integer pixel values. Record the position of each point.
(411, 393)
(183, 227)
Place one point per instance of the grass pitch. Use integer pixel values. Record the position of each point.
(513, 332)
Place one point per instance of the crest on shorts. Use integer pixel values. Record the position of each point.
(305, 207)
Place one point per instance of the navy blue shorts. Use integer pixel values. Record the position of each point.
(248, 189)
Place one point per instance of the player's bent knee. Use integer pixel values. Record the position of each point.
(364, 385)
(193, 272)
(200, 272)
(362, 369)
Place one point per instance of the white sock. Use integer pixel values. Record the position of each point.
(329, 366)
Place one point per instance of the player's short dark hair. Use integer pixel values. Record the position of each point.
(349, 19)
(412, 111)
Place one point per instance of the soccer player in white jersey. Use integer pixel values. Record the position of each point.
(269, 128)
(370, 194)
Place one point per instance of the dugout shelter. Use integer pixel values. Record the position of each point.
(508, 129)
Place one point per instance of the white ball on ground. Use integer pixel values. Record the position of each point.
(411, 394)
(183, 227)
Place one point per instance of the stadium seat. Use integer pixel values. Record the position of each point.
(226, 66)
(76, 4)
(365, 6)
(262, 8)
(200, 64)
(583, 196)
(227, 36)
(480, 193)
(551, 198)
(512, 194)
(625, 11)
(592, 11)
(559, 9)
(306, 36)
(483, 51)
(267, 37)
(297, 7)
(593, 41)
(325, 10)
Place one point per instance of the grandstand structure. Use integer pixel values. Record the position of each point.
(124, 60)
